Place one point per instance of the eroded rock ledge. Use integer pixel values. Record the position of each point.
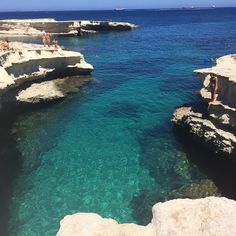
(215, 125)
(37, 27)
(33, 63)
(182, 217)
(52, 90)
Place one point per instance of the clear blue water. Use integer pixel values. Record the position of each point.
(110, 149)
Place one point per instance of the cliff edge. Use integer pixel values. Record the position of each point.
(37, 27)
(182, 217)
(214, 123)
(40, 68)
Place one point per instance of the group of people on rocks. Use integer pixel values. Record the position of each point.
(5, 44)
(213, 82)
(47, 41)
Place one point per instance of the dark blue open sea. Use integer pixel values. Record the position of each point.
(111, 149)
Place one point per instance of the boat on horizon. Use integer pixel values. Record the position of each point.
(120, 9)
(189, 8)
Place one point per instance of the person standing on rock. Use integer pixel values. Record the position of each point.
(44, 40)
(213, 87)
(55, 42)
(48, 40)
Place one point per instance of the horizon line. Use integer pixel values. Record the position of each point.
(126, 9)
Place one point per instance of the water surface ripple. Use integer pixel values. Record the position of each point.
(110, 149)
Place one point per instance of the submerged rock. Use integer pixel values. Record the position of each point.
(204, 188)
(215, 126)
(182, 217)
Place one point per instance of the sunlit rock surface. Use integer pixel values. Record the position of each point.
(216, 125)
(37, 27)
(52, 90)
(27, 62)
(182, 217)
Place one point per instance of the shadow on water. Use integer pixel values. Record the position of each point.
(10, 165)
(191, 172)
(10, 157)
(220, 169)
(157, 158)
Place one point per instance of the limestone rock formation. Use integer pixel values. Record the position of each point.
(216, 125)
(224, 109)
(27, 62)
(182, 217)
(37, 27)
(52, 90)
(204, 130)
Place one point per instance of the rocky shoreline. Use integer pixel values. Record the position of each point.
(37, 27)
(213, 123)
(32, 65)
(182, 217)
(28, 66)
(41, 74)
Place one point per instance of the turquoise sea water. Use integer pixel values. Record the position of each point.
(111, 149)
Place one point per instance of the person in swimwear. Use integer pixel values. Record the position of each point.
(55, 42)
(44, 40)
(47, 39)
(213, 87)
(6, 45)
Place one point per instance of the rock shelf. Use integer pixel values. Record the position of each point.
(214, 127)
(182, 217)
(29, 63)
(37, 27)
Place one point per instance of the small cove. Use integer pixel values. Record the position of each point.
(111, 149)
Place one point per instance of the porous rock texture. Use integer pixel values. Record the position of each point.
(216, 125)
(37, 27)
(52, 90)
(182, 217)
(28, 63)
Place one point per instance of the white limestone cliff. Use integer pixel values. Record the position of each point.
(224, 109)
(33, 63)
(215, 124)
(182, 217)
(37, 27)
(52, 90)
